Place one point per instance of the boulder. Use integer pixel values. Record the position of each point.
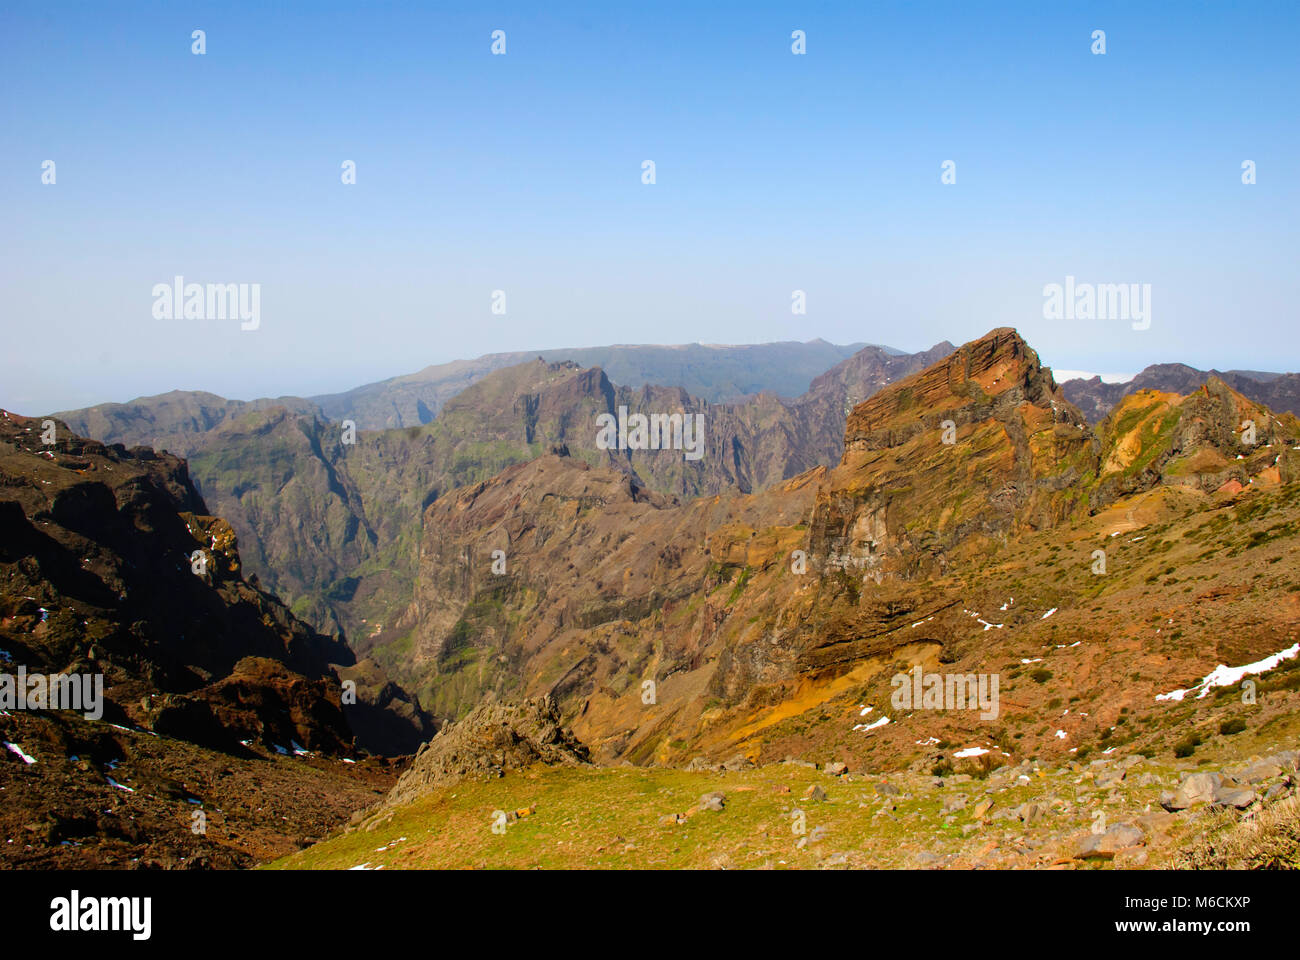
(1277, 791)
(1108, 843)
(713, 801)
(1130, 858)
(1197, 788)
(1110, 777)
(1239, 797)
(1032, 811)
(1259, 771)
(1156, 824)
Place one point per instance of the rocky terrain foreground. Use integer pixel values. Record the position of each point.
(1123, 812)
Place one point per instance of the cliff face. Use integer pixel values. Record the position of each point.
(205, 703)
(975, 446)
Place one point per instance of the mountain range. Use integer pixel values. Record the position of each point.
(347, 590)
(1277, 391)
(333, 527)
(608, 585)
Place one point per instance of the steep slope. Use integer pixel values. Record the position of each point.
(111, 565)
(201, 704)
(333, 527)
(595, 569)
(752, 613)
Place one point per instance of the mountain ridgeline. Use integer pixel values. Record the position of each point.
(334, 526)
(1277, 391)
(718, 374)
(498, 550)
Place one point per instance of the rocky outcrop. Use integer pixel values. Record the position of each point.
(973, 447)
(491, 740)
(112, 565)
(1211, 437)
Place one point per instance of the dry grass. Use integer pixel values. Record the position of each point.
(1270, 840)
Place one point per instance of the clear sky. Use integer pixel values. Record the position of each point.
(522, 172)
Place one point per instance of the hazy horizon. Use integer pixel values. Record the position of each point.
(775, 172)
(1061, 373)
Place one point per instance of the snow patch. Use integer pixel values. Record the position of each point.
(864, 727)
(14, 748)
(1225, 676)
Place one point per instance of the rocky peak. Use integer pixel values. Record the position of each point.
(984, 379)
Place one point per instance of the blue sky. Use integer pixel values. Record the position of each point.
(522, 172)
